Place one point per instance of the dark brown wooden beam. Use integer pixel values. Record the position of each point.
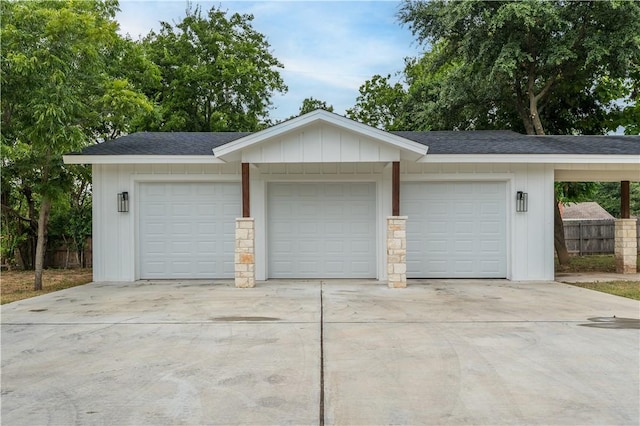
(246, 207)
(625, 210)
(395, 191)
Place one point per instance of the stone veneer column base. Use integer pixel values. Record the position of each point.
(397, 251)
(245, 264)
(626, 248)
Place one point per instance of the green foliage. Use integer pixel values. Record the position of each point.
(68, 80)
(574, 192)
(217, 73)
(379, 103)
(311, 104)
(534, 66)
(70, 221)
(607, 194)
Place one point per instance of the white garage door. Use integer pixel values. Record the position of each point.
(455, 229)
(321, 230)
(187, 230)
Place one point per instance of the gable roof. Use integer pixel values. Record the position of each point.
(589, 210)
(438, 142)
(455, 145)
(321, 117)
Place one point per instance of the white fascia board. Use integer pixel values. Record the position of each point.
(531, 158)
(141, 159)
(319, 116)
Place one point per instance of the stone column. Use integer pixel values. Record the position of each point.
(397, 251)
(626, 246)
(245, 264)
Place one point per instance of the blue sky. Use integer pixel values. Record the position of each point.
(328, 48)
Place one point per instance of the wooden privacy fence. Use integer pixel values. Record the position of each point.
(591, 236)
(62, 256)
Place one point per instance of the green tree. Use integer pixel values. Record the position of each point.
(551, 64)
(607, 194)
(534, 51)
(217, 73)
(58, 94)
(379, 103)
(312, 104)
(70, 222)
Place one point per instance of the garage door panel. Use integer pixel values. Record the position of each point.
(360, 247)
(463, 266)
(309, 266)
(335, 246)
(327, 230)
(208, 229)
(187, 229)
(455, 229)
(490, 266)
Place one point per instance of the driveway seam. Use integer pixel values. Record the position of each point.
(321, 414)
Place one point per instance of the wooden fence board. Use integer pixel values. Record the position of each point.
(592, 236)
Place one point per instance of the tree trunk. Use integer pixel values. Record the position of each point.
(558, 237)
(535, 116)
(41, 245)
(558, 227)
(523, 112)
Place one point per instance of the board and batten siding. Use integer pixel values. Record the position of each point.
(114, 233)
(530, 250)
(529, 235)
(320, 143)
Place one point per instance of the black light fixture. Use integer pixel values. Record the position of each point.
(123, 202)
(522, 201)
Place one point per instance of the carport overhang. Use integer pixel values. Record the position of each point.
(603, 171)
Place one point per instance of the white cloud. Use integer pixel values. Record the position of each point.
(328, 48)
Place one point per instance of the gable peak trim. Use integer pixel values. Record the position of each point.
(320, 116)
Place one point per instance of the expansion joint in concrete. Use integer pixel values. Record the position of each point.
(321, 408)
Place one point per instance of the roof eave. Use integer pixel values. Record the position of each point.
(532, 158)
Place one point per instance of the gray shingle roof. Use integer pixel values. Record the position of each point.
(589, 210)
(439, 142)
(164, 143)
(508, 142)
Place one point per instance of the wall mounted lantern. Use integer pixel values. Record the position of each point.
(123, 202)
(522, 201)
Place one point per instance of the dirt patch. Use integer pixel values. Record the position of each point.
(18, 285)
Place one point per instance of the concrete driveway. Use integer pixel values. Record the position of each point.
(307, 352)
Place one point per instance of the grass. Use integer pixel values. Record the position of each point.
(601, 263)
(630, 289)
(18, 285)
(593, 263)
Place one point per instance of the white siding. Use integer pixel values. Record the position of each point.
(115, 235)
(320, 143)
(530, 249)
(529, 235)
(532, 232)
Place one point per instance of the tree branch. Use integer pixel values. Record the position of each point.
(17, 215)
(546, 88)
